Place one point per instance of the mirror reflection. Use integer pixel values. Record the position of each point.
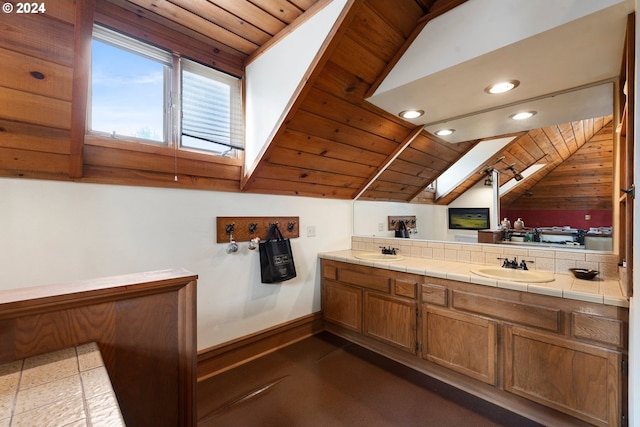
(549, 177)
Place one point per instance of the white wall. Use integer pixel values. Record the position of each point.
(53, 232)
(431, 220)
(272, 78)
(478, 196)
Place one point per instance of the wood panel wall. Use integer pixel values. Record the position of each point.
(583, 181)
(332, 144)
(36, 52)
(42, 55)
(144, 324)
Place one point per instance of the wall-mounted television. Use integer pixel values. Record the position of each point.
(468, 218)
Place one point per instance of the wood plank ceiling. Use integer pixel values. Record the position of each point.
(333, 143)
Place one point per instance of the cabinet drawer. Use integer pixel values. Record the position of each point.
(364, 280)
(405, 288)
(597, 328)
(434, 294)
(329, 272)
(526, 314)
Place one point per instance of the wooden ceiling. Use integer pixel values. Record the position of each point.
(578, 171)
(553, 146)
(333, 143)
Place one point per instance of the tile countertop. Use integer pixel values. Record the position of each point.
(68, 387)
(601, 291)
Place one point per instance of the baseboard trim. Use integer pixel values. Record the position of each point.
(219, 358)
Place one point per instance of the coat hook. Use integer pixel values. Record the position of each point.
(291, 226)
(253, 227)
(229, 228)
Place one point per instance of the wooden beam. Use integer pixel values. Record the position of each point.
(408, 140)
(80, 86)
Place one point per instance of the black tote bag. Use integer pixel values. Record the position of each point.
(276, 258)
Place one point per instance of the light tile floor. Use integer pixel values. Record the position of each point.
(69, 387)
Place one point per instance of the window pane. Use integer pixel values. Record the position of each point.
(211, 110)
(127, 93)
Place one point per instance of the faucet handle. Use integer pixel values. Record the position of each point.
(523, 264)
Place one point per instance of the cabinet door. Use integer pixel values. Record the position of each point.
(575, 378)
(461, 342)
(342, 305)
(391, 320)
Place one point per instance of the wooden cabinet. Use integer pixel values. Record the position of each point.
(379, 304)
(462, 342)
(490, 236)
(391, 320)
(343, 305)
(579, 379)
(625, 142)
(554, 360)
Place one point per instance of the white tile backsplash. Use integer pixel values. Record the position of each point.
(555, 260)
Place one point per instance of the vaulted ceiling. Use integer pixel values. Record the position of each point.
(333, 142)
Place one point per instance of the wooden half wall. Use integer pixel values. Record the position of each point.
(144, 324)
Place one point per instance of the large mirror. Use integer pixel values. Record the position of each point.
(558, 76)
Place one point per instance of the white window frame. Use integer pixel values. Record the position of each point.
(172, 113)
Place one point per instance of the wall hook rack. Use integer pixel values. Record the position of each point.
(248, 227)
(409, 221)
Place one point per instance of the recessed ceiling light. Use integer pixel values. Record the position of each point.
(523, 115)
(445, 132)
(502, 87)
(411, 114)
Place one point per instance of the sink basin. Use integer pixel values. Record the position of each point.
(372, 256)
(514, 275)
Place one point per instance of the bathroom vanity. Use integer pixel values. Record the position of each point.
(547, 351)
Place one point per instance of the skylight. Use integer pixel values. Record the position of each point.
(509, 185)
(471, 161)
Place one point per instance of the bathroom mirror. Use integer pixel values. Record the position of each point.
(551, 64)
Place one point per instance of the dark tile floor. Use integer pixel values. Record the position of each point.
(326, 381)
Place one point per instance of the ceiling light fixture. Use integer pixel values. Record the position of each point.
(488, 171)
(502, 87)
(445, 132)
(516, 175)
(411, 114)
(523, 115)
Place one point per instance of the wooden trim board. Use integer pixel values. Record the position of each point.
(219, 358)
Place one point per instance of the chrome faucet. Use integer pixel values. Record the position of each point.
(506, 263)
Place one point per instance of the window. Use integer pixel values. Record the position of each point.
(211, 113)
(131, 97)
